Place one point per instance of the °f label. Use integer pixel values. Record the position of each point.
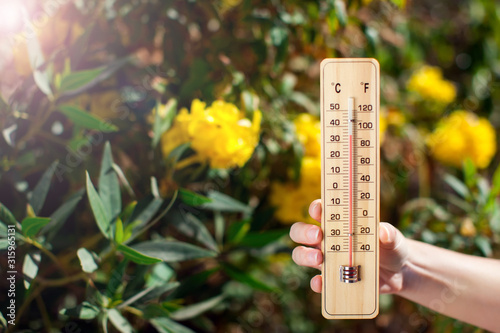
(350, 101)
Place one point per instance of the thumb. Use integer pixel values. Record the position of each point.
(393, 247)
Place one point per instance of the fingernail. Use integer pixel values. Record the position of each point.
(312, 234)
(312, 257)
(388, 235)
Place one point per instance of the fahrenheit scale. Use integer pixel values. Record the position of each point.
(350, 94)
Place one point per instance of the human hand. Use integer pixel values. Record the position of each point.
(393, 251)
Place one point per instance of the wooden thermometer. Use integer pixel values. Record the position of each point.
(350, 100)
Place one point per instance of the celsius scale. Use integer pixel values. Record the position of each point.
(350, 101)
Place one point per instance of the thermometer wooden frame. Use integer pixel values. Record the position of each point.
(350, 187)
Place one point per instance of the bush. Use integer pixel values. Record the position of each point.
(154, 152)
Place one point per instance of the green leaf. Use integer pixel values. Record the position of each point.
(225, 203)
(197, 309)
(4, 243)
(341, 12)
(100, 213)
(160, 275)
(86, 120)
(165, 325)
(457, 185)
(31, 225)
(115, 281)
(151, 293)
(119, 322)
(105, 73)
(137, 256)
(495, 220)
(191, 198)
(3, 230)
(176, 153)
(119, 234)
(78, 79)
(2, 320)
(163, 119)
(192, 227)
(87, 260)
(6, 216)
(237, 231)
(484, 245)
(170, 251)
(261, 239)
(61, 214)
(42, 188)
(109, 188)
(469, 172)
(495, 187)
(30, 267)
(85, 311)
(143, 213)
(243, 277)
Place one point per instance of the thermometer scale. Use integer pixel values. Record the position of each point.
(350, 94)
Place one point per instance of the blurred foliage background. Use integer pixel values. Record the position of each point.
(197, 122)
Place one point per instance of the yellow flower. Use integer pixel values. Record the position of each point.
(219, 134)
(428, 82)
(467, 228)
(463, 135)
(308, 131)
(292, 200)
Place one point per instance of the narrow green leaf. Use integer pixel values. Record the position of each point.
(341, 12)
(237, 231)
(109, 187)
(3, 230)
(484, 245)
(191, 198)
(85, 119)
(105, 73)
(123, 179)
(151, 293)
(176, 153)
(87, 260)
(30, 267)
(137, 256)
(495, 219)
(4, 243)
(243, 277)
(119, 322)
(192, 227)
(100, 213)
(225, 203)
(2, 320)
(220, 226)
(62, 213)
(31, 225)
(78, 79)
(457, 185)
(144, 212)
(119, 234)
(165, 325)
(197, 309)
(170, 251)
(85, 311)
(495, 186)
(6, 216)
(42, 188)
(261, 239)
(160, 275)
(164, 117)
(469, 172)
